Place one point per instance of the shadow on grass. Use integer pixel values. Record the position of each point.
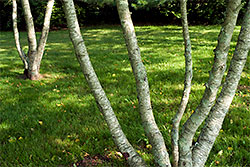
(57, 118)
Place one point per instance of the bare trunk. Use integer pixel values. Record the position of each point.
(35, 53)
(33, 71)
(214, 82)
(34, 66)
(30, 26)
(16, 36)
(45, 31)
(101, 99)
(151, 129)
(187, 84)
(215, 118)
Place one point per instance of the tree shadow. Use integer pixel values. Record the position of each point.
(66, 107)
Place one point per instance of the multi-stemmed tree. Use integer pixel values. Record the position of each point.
(186, 152)
(32, 60)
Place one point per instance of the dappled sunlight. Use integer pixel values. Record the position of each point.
(57, 116)
(2, 50)
(4, 126)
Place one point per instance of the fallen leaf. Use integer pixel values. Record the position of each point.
(220, 152)
(149, 146)
(119, 154)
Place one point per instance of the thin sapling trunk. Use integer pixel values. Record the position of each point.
(187, 84)
(212, 86)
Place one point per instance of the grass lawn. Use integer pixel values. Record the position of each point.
(55, 121)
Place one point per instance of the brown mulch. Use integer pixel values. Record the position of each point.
(89, 161)
(243, 87)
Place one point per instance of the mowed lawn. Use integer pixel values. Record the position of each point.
(56, 122)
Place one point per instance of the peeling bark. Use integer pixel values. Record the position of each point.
(214, 82)
(151, 129)
(187, 84)
(102, 101)
(216, 117)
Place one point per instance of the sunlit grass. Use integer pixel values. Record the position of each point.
(55, 121)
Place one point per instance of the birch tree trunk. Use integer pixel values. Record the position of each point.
(16, 36)
(214, 82)
(151, 129)
(216, 117)
(33, 72)
(34, 56)
(45, 32)
(187, 84)
(102, 101)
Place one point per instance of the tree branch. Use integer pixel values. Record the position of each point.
(214, 82)
(102, 101)
(45, 31)
(16, 36)
(151, 129)
(30, 26)
(187, 84)
(216, 116)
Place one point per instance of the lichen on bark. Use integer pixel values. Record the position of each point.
(151, 129)
(102, 101)
(215, 118)
(212, 86)
(187, 84)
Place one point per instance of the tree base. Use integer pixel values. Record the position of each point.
(27, 75)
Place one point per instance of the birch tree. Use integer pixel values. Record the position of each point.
(185, 153)
(101, 99)
(151, 129)
(32, 59)
(187, 84)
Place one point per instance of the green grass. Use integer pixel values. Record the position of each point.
(55, 121)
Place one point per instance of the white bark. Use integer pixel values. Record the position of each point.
(215, 119)
(187, 84)
(101, 99)
(45, 31)
(16, 36)
(34, 56)
(214, 82)
(151, 129)
(30, 26)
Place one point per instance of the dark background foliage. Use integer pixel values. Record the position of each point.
(144, 12)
